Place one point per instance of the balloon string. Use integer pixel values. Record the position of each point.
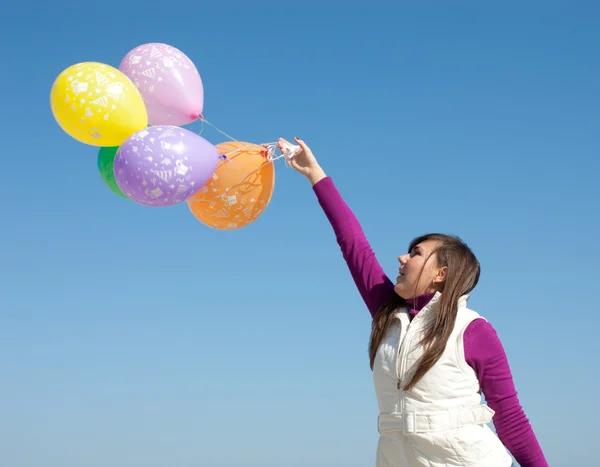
(271, 157)
(203, 120)
(230, 159)
(270, 146)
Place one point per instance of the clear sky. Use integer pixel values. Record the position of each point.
(133, 336)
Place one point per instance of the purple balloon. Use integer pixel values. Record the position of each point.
(168, 81)
(164, 165)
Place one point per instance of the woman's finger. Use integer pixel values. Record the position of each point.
(303, 145)
(282, 142)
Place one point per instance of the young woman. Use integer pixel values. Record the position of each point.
(431, 356)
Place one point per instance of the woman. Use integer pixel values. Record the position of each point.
(431, 356)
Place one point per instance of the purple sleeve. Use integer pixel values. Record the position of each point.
(485, 354)
(370, 279)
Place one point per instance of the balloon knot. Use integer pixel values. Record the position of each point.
(265, 151)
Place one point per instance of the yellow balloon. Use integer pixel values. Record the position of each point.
(97, 104)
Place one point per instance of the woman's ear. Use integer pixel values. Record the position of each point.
(440, 276)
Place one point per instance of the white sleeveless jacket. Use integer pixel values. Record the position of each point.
(441, 421)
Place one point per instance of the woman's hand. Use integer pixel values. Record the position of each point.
(305, 162)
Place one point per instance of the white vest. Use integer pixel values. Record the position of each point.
(440, 421)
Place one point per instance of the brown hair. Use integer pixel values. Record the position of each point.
(462, 277)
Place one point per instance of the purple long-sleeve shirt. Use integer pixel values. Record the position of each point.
(483, 349)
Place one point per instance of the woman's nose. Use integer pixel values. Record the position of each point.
(403, 259)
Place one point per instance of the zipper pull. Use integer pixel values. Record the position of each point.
(398, 384)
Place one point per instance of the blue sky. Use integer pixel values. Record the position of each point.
(136, 337)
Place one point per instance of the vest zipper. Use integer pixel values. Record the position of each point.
(399, 365)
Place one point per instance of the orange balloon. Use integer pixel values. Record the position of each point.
(239, 190)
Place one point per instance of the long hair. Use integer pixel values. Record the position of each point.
(461, 277)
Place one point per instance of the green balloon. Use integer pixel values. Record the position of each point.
(106, 160)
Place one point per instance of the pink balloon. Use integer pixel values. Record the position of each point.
(168, 81)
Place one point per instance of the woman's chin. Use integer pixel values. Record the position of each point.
(401, 291)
